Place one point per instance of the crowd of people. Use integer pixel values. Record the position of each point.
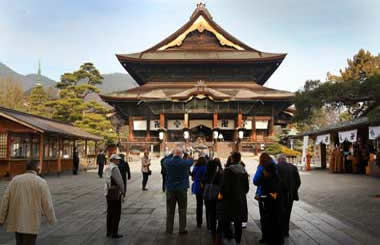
(221, 189)
(223, 192)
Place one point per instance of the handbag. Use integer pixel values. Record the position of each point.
(211, 191)
(149, 172)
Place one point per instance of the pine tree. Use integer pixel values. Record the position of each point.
(37, 101)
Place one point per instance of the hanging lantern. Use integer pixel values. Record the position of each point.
(215, 134)
(186, 135)
(161, 135)
(241, 133)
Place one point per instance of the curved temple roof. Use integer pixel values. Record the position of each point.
(183, 91)
(199, 41)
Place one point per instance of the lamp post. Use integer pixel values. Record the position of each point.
(161, 137)
(240, 138)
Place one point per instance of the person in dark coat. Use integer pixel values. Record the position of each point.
(245, 207)
(272, 203)
(197, 174)
(124, 170)
(75, 161)
(214, 176)
(257, 180)
(291, 181)
(234, 189)
(101, 161)
(164, 171)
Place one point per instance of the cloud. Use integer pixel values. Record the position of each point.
(63, 34)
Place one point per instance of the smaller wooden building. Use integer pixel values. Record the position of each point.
(24, 136)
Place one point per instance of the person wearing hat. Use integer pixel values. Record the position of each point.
(114, 192)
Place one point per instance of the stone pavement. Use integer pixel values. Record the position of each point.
(80, 209)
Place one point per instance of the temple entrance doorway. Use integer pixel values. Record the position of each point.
(201, 134)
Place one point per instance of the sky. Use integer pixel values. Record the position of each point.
(318, 36)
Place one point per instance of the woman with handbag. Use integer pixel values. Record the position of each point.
(145, 163)
(199, 171)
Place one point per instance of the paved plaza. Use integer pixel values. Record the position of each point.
(335, 209)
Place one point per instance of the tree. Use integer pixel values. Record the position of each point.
(37, 101)
(362, 66)
(356, 91)
(71, 106)
(73, 88)
(97, 124)
(87, 74)
(11, 94)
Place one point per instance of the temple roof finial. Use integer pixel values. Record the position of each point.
(201, 7)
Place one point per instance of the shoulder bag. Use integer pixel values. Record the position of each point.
(211, 190)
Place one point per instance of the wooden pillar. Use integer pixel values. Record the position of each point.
(271, 124)
(131, 136)
(271, 127)
(240, 120)
(41, 153)
(323, 156)
(85, 154)
(147, 137)
(253, 131)
(60, 149)
(162, 120)
(186, 120)
(9, 154)
(215, 120)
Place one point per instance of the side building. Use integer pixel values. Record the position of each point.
(203, 87)
(26, 137)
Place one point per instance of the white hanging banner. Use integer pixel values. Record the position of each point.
(350, 136)
(139, 125)
(325, 139)
(175, 124)
(374, 132)
(154, 125)
(261, 124)
(304, 149)
(247, 124)
(226, 124)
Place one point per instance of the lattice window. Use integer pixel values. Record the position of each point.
(3, 145)
(20, 146)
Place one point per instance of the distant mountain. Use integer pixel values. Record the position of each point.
(7, 72)
(112, 82)
(117, 81)
(45, 81)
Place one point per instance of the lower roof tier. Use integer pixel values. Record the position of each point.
(185, 91)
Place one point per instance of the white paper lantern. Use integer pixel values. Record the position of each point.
(161, 135)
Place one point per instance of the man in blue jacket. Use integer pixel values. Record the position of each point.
(177, 170)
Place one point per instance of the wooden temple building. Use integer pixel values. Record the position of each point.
(203, 86)
(24, 137)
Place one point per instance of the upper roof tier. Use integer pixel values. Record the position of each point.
(196, 50)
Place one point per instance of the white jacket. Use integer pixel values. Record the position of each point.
(26, 199)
